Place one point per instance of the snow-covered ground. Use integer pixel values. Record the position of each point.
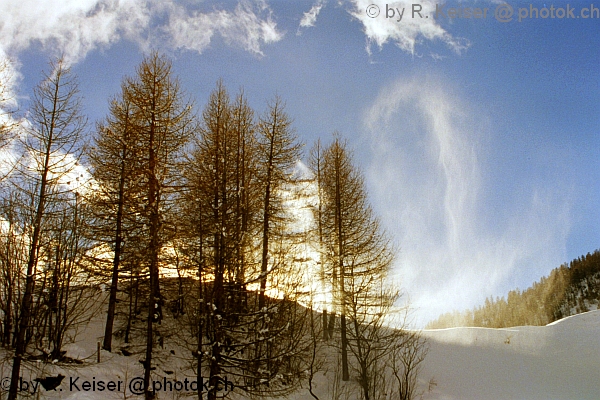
(560, 361)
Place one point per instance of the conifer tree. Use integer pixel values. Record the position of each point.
(51, 147)
(279, 151)
(358, 252)
(7, 105)
(225, 194)
(210, 204)
(162, 123)
(316, 165)
(112, 159)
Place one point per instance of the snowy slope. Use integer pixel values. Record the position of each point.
(560, 361)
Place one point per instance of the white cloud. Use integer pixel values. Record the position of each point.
(9, 80)
(429, 182)
(381, 25)
(407, 32)
(244, 27)
(74, 28)
(310, 17)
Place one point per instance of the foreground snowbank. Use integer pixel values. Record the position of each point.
(560, 361)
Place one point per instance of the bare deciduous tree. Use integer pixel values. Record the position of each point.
(13, 258)
(112, 159)
(65, 299)
(279, 151)
(405, 360)
(358, 255)
(51, 148)
(7, 104)
(161, 121)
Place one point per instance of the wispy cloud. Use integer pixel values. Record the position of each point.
(71, 28)
(380, 28)
(74, 28)
(247, 26)
(430, 182)
(310, 17)
(408, 32)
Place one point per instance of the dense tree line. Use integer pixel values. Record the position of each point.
(184, 216)
(569, 289)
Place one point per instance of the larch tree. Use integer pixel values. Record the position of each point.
(51, 149)
(222, 208)
(252, 339)
(316, 166)
(112, 160)
(209, 203)
(162, 122)
(279, 152)
(358, 253)
(247, 193)
(7, 104)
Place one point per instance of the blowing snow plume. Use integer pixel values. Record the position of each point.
(430, 181)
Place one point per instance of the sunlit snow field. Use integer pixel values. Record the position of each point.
(555, 362)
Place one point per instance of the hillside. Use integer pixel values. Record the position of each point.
(570, 289)
(554, 362)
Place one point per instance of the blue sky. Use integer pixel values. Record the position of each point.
(479, 140)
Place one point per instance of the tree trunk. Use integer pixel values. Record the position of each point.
(342, 276)
(33, 251)
(325, 331)
(266, 220)
(112, 300)
(201, 316)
